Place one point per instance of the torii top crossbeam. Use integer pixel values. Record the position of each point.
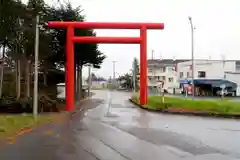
(106, 25)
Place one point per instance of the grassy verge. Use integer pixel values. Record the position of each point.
(187, 104)
(13, 124)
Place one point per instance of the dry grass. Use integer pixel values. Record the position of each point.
(12, 124)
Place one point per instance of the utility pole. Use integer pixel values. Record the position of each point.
(114, 74)
(153, 69)
(193, 68)
(152, 54)
(174, 64)
(134, 75)
(133, 78)
(35, 92)
(223, 64)
(89, 79)
(174, 70)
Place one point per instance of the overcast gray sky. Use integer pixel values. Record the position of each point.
(217, 31)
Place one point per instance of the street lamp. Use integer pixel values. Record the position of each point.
(192, 41)
(89, 79)
(153, 68)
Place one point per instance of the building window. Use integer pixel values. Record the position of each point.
(181, 74)
(164, 69)
(164, 78)
(201, 74)
(169, 69)
(170, 79)
(188, 74)
(150, 69)
(237, 68)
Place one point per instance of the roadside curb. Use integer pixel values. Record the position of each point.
(77, 109)
(200, 114)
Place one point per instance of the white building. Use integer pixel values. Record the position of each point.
(163, 71)
(207, 69)
(216, 71)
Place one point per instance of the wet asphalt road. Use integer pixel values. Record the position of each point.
(110, 128)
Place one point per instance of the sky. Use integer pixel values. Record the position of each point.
(217, 32)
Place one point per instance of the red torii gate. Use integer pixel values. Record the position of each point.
(71, 39)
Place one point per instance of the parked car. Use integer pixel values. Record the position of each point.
(225, 93)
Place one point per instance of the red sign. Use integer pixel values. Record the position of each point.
(175, 68)
(190, 67)
(189, 89)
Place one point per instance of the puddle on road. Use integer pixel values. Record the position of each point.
(117, 105)
(111, 115)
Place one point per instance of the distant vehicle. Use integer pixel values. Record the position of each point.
(225, 93)
(121, 88)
